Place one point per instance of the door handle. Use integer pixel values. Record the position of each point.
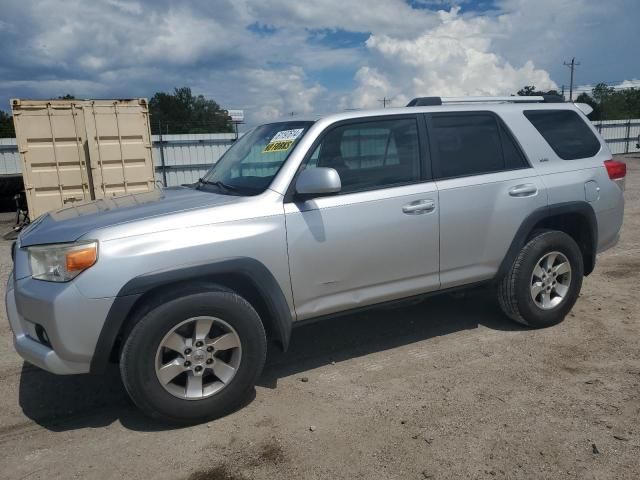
(525, 190)
(419, 206)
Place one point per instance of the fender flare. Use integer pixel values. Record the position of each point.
(582, 208)
(249, 269)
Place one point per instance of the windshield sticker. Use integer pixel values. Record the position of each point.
(284, 135)
(282, 141)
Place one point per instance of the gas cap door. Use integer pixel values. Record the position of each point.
(592, 191)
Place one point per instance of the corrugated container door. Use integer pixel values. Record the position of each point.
(51, 139)
(119, 144)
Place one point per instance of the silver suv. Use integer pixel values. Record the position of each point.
(307, 219)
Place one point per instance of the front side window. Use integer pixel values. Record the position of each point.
(249, 166)
(472, 144)
(565, 132)
(370, 155)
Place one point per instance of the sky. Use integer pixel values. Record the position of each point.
(273, 58)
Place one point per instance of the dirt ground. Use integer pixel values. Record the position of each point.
(448, 388)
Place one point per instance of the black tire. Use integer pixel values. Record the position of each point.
(514, 294)
(138, 357)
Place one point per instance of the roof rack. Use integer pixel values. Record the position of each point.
(431, 101)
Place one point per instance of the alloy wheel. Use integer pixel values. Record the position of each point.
(198, 358)
(550, 280)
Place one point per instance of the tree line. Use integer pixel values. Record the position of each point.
(607, 102)
(178, 112)
(182, 112)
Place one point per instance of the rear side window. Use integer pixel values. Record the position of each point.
(472, 144)
(565, 132)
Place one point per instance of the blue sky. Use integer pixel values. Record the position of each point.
(273, 57)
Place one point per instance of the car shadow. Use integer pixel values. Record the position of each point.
(337, 339)
(61, 403)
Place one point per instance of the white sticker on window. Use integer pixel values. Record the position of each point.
(285, 135)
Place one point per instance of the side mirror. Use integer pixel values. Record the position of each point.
(319, 181)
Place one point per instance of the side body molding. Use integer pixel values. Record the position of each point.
(249, 270)
(581, 208)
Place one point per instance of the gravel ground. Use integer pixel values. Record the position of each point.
(447, 388)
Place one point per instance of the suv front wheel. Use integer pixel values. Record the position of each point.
(544, 281)
(195, 357)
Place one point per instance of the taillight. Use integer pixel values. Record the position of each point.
(616, 169)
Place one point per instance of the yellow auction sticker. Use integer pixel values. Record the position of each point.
(282, 141)
(278, 146)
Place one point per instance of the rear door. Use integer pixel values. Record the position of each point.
(377, 239)
(486, 187)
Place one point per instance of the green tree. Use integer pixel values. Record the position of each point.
(530, 90)
(182, 112)
(611, 104)
(6, 125)
(67, 96)
(601, 91)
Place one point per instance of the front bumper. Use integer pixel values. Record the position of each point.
(72, 323)
(33, 351)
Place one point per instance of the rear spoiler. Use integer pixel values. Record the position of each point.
(584, 107)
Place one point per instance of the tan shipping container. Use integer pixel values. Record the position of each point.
(75, 151)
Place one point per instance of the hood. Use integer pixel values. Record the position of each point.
(70, 223)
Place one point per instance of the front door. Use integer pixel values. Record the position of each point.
(376, 240)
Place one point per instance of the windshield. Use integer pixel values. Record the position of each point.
(248, 167)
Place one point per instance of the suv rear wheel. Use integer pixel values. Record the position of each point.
(544, 281)
(195, 357)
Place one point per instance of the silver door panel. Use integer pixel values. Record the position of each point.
(480, 216)
(357, 249)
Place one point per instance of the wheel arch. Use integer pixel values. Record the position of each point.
(244, 276)
(577, 219)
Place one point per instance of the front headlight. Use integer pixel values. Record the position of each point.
(61, 262)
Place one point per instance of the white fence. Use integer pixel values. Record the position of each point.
(185, 158)
(178, 158)
(620, 135)
(9, 157)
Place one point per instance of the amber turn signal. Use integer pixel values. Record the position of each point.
(81, 259)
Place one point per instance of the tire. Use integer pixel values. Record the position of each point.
(141, 357)
(516, 294)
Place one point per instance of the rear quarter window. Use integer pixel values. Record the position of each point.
(471, 143)
(565, 132)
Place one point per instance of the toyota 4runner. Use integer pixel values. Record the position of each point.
(307, 219)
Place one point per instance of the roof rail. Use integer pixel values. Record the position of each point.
(430, 101)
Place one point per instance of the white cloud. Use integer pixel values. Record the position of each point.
(635, 83)
(131, 48)
(182, 38)
(453, 59)
(384, 16)
(373, 87)
(127, 6)
(43, 88)
(274, 94)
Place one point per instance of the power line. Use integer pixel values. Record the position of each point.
(572, 66)
(385, 101)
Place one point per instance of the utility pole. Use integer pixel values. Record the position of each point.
(385, 101)
(572, 66)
